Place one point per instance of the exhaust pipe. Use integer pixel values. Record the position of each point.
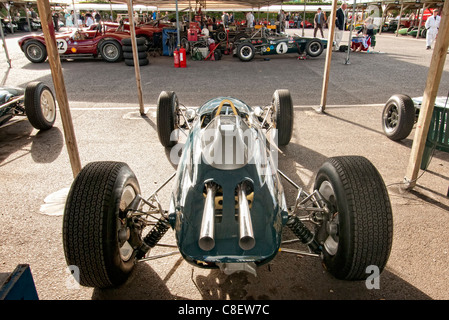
(247, 241)
(206, 241)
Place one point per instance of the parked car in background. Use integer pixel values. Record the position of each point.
(75, 44)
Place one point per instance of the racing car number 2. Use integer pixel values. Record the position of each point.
(61, 44)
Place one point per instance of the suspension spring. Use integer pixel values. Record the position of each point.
(303, 233)
(153, 237)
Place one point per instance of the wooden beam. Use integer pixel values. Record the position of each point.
(327, 66)
(420, 19)
(400, 16)
(425, 114)
(58, 82)
(135, 55)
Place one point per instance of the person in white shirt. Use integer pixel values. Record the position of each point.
(249, 19)
(432, 25)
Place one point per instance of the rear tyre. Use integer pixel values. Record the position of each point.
(358, 230)
(40, 105)
(111, 51)
(167, 118)
(314, 48)
(283, 115)
(246, 52)
(98, 237)
(398, 117)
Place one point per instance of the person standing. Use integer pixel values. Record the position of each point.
(249, 20)
(432, 25)
(225, 19)
(340, 25)
(281, 21)
(318, 23)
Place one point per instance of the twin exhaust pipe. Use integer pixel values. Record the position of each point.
(246, 235)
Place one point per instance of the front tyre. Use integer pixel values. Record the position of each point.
(35, 51)
(283, 115)
(40, 105)
(167, 118)
(246, 51)
(98, 237)
(358, 230)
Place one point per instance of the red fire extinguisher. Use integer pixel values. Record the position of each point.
(176, 57)
(182, 58)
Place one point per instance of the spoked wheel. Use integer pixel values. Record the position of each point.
(35, 51)
(40, 105)
(246, 51)
(111, 51)
(98, 236)
(283, 115)
(398, 117)
(357, 232)
(167, 118)
(314, 48)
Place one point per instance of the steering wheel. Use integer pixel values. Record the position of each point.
(234, 110)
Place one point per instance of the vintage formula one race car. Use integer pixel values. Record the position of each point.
(76, 44)
(36, 102)
(227, 207)
(265, 43)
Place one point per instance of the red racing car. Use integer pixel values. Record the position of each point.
(78, 43)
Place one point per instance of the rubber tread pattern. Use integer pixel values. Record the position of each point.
(83, 221)
(372, 220)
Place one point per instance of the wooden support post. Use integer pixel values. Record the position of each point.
(399, 20)
(425, 114)
(58, 82)
(327, 66)
(135, 55)
(6, 48)
(420, 19)
(382, 19)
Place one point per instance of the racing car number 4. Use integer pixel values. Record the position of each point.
(281, 48)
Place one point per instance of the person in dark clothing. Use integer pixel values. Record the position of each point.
(340, 25)
(55, 17)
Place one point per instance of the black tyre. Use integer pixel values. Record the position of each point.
(98, 238)
(140, 48)
(185, 44)
(40, 105)
(246, 51)
(240, 36)
(130, 55)
(142, 62)
(283, 115)
(398, 117)
(358, 230)
(111, 51)
(221, 35)
(35, 51)
(167, 118)
(424, 33)
(140, 41)
(314, 48)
